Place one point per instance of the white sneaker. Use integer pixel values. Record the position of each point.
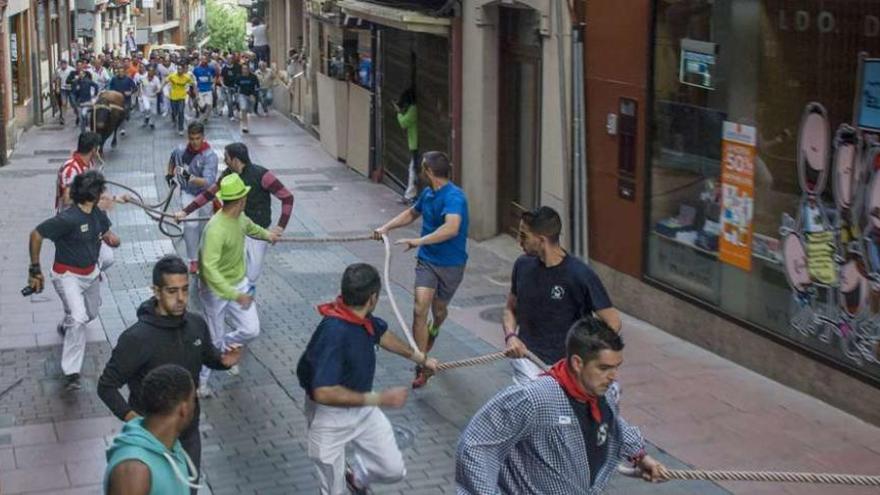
(205, 392)
(234, 370)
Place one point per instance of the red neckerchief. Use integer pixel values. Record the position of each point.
(567, 381)
(204, 147)
(338, 309)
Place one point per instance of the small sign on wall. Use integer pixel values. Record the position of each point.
(738, 151)
(868, 97)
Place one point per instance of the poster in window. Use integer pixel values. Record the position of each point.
(737, 194)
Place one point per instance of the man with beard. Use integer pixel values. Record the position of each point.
(166, 333)
(550, 290)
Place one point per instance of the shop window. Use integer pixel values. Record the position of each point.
(744, 92)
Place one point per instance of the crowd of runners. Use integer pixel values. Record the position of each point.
(180, 85)
(558, 431)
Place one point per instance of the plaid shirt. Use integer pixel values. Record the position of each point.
(527, 440)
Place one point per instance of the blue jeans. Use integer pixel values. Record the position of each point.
(177, 113)
(265, 99)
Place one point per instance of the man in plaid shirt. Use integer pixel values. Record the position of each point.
(560, 434)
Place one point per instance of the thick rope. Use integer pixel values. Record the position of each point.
(763, 476)
(486, 359)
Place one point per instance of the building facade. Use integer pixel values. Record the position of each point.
(732, 183)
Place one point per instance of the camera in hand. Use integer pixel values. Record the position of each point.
(27, 291)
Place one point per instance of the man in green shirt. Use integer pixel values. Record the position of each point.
(408, 119)
(224, 288)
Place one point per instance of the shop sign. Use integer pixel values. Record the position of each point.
(868, 106)
(737, 194)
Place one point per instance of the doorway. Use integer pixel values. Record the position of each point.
(519, 115)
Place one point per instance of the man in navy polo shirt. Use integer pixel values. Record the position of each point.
(550, 290)
(442, 249)
(336, 370)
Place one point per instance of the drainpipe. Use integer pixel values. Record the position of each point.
(3, 65)
(567, 166)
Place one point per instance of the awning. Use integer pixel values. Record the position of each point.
(405, 20)
(158, 28)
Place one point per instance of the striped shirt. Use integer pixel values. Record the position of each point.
(71, 168)
(527, 440)
(268, 183)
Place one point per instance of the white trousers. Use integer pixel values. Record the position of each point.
(525, 371)
(330, 429)
(81, 297)
(245, 323)
(206, 100)
(149, 105)
(255, 251)
(192, 231)
(105, 257)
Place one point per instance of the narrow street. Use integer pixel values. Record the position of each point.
(697, 409)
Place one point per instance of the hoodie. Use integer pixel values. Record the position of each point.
(171, 471)
(151, 342)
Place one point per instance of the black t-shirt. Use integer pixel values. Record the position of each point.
(230, 74)
(595, 434)
(247, 85)
(550, 300)
(340, 353)
(77, 235)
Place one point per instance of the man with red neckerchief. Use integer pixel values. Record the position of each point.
(336, 370)
(561, 433)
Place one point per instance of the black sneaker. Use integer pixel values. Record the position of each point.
(72, 383)
(60, 329)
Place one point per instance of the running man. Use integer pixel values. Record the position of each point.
(247, 85)
(151, 88)
(194, 166)
(562, 433)
(146, 458)
(262, 183)
(442, 251)
(166, 333)
(336, 371)
(204, 75)
(224, 285)
(179, 82)
(64, 87)
(77, 233)
(549, 291)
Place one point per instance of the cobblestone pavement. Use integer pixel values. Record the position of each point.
(253, 432)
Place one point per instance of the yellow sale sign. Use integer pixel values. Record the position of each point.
(738, 152)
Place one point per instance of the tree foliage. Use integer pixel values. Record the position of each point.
(226, 26)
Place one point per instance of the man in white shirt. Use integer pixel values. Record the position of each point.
(61, 75)
(261, 40)
(150, 88)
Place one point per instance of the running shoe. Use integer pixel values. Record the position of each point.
(234, 370)
(60, 329)
(355, 475)
(72, 382)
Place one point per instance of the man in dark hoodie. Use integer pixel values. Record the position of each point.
(164, 334)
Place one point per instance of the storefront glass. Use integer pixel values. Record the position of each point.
(747, 93)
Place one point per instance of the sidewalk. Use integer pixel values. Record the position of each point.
(700, 410)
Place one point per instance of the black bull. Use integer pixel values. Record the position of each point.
(107, 114)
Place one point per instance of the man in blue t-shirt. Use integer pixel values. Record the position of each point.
(442, 249)
(204, 75)
(125, 85)
(549, 291)
(336, 371)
